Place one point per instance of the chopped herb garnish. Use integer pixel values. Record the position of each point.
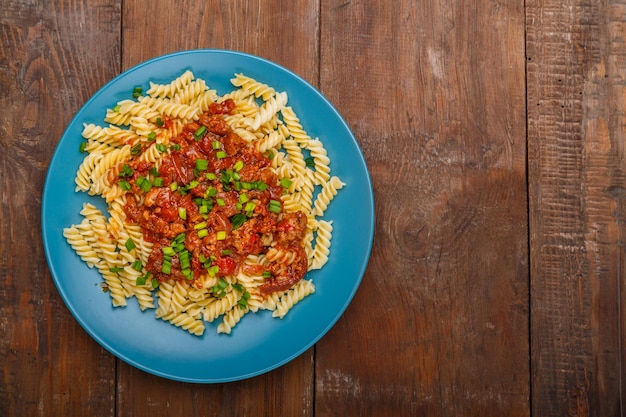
(238, 220)
(129, 244)
(285, 182)
(136, 149)
(198, 133)
(126, 171)
(202, 164)
(137, 92)
(124, 185)
(274, 206)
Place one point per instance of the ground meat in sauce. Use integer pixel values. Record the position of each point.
(213, 201)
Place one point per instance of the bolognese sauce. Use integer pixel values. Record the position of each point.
(213, 201)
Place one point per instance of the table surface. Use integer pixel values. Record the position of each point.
(494, 134)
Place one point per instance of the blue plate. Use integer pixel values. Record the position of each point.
(259, 343)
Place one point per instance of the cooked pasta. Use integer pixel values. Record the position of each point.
(216, 205)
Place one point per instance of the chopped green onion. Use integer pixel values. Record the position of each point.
(310, 162)
(227, 252)
(204, 209)
(270, 154)
(82, 146)
(166, 267)
(222, 284)
(198, 133)
(201, 225)
(203, 233)
(238, 165)
(221, 235)
(216, 145)
(116, 269)
(137, 92)
(152, 136)
(124, 185)
(285, 182)
(136, 149)
(137, 265)
(161, 148)
(274, 206)
(184, 259)
(144, 184)
(173, 186)
(159, 122)
(182, 213)
(211, 192)
(116, 108)
(249, 209)
(130, 245)
(202, 164)
(243, 301)
(158, 182)
(237, 220)
(210, 176)
(243, 198)
(175, 147)
(126, 171)
(260, 185)
(220, 202)
(155, 283)
(168, 251)
(140, 281)
(220, 155)
(187, 273)
(267, 274)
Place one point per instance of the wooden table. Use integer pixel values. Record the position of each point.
(494, 132)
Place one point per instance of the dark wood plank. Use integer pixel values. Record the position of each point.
(286, 33)
(53, 56)
(576, 67)
(439, 326)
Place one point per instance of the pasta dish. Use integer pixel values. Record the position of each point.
(215, 205)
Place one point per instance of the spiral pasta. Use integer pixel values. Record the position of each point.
(292, 297)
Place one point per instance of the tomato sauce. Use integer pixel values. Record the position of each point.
(213, 201)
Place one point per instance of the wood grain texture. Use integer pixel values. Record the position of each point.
(439, 326)
(495, 135)
(576, 71)
(283, 31)
(49, 66)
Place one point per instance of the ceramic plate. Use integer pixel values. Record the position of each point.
(259, 343)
